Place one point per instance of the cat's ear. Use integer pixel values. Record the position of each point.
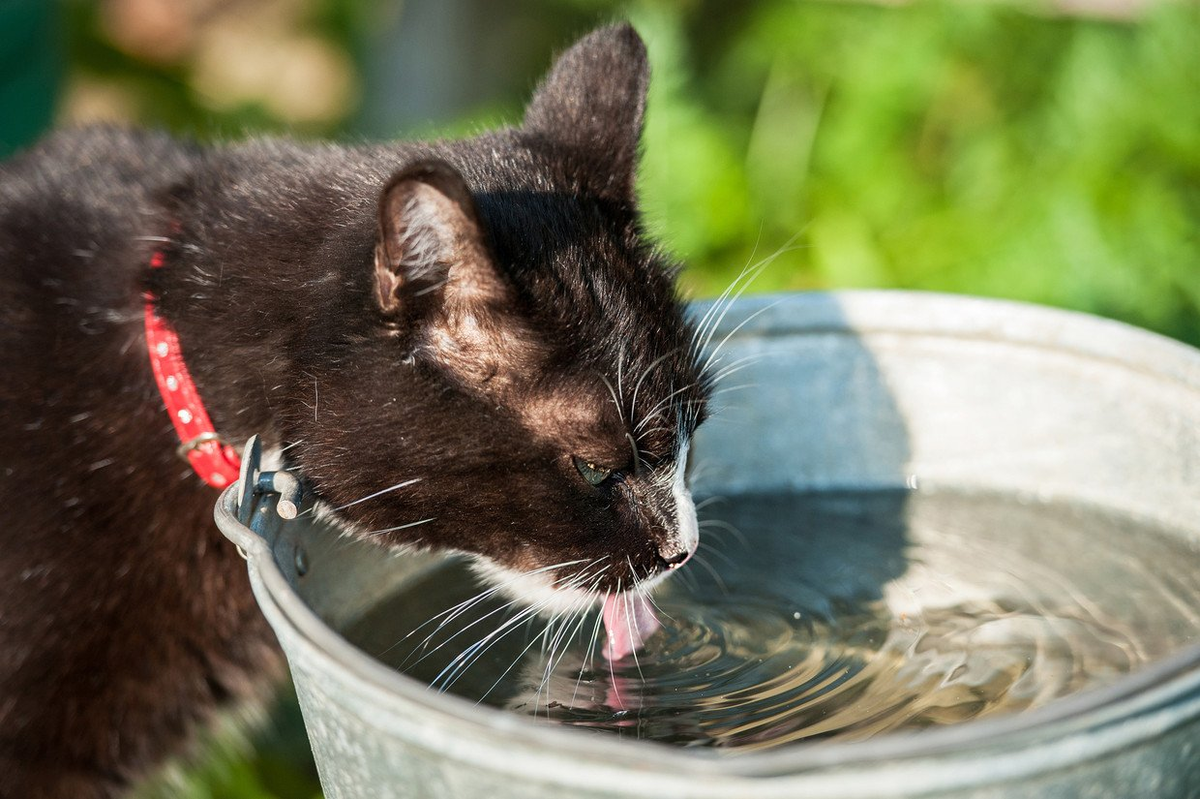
(437, 284)
(593, 101)
(431, 250)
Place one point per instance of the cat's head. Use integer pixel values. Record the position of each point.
(529, 386)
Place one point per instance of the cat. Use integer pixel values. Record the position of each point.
(465, 345)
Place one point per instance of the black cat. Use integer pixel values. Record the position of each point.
(462, 345)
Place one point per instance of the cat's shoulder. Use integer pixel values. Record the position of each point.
(94, 160)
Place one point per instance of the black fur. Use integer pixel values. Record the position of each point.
(458, 312)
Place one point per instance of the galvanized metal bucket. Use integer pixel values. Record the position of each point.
(852, 390)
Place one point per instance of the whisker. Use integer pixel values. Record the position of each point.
(454, 613)
(471, 654)
(506, 583)
(462, 607)
(617, 402)
(553, 664)
(504, 674)
(687, 578)
(657, 607)
(653, 430)
(402, 484)
(549, 658)
(590, 653)
(587, 601)
(620, 365)
(718, 553)
(726, 527)
(499, 610)
(711, 362)
(708, 322)
(399, 527)
(730, 389)
(732, 370)
(721, 583)
(645, 373)
(710, 314)
(637, 460)
(661, 403)
(747, 277)
(734, 367)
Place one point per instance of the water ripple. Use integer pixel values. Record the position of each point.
(850, 615)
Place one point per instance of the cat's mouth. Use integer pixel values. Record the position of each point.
(629, 619)
(628, 616)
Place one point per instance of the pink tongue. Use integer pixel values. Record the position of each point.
(628, 622)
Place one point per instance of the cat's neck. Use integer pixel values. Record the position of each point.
(263, 265)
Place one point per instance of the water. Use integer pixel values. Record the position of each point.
(833, 615)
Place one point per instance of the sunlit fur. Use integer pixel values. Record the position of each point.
(427, 332)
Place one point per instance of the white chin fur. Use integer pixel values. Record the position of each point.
(536, 589)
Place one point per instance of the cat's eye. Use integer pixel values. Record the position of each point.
(591, 472)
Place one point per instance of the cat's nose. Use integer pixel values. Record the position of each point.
(673, 557)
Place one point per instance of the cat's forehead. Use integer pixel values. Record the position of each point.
(581, 263)
(591, 419)
(642, 391)
(616, 357)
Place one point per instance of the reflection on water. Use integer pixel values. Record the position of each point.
(832, 614)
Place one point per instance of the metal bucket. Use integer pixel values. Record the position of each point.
(852, 390)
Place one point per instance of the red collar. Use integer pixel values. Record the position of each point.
(216, 463)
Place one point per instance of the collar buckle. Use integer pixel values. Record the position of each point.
(196, 442)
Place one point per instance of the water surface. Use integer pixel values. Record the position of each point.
(824, 615)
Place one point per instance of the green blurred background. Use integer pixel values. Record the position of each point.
(1047, 152)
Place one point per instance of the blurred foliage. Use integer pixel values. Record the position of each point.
(955, 147)
(239, 759)
(216, 68)
(30, 70)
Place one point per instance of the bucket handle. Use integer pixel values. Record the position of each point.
(254, 483)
